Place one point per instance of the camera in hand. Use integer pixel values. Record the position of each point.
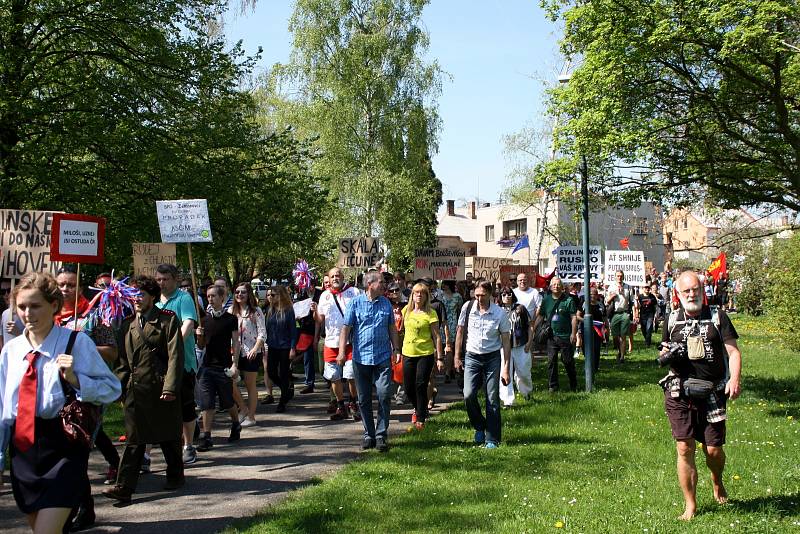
(676, 353)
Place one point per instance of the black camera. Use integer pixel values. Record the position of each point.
(676, 353)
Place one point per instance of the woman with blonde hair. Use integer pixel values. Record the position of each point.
(37, 370)
(281, 340)
(420, 341)
(252, 338)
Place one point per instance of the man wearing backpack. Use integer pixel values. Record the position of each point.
(484, 328)
(696, 389)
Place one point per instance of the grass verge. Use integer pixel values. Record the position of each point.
(600, 462)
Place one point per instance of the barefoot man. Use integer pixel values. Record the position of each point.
(696, 389)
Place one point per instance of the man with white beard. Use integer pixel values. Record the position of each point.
(696, 389)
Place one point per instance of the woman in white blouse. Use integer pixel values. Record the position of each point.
(46, 454)
(252, 334)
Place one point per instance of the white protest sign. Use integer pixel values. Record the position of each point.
(359, 252)
(302, 308)
(25, 243)
(630, 262)
(439, 263)
(184, 221)
(570, 264)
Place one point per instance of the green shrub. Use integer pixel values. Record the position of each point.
(784, 287)
(751, 273)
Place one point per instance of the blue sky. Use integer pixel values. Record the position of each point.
(498, 55)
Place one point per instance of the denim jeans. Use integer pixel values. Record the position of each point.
(648, 323)
(482, 371)
(380, 376)
(308, 365)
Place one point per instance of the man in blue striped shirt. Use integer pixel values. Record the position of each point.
(370, 318)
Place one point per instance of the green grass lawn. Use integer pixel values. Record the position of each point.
(600, 462)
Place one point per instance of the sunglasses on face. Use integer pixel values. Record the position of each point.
(241, 292)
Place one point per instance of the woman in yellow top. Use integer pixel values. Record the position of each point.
(420, 342)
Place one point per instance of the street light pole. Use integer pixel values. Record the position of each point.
(588, 335)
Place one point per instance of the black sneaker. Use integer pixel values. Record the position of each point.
(269, 399)
(380, 444)
(367, 443)
(236, 431)
(205, 443)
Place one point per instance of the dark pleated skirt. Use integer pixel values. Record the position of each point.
(52, 473)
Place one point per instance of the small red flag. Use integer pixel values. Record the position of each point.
(718, 267)
(625, 243)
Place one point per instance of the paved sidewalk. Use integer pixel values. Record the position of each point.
(282, 453)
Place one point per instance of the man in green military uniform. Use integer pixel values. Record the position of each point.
(560, 310)
(150, 370)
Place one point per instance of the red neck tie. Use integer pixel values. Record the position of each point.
(26, 406)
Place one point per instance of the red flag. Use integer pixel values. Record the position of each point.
(544, 281)
(718, 267)
(625, 243)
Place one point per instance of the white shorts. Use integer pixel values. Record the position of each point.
(333, 372)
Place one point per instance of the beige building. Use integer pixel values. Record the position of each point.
(692, 234)
(496, 229)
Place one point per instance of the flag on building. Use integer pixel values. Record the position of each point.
(718, 267)
(522, 243)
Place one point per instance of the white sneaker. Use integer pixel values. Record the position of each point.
(246, 422)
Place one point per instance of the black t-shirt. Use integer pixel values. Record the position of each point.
(712, 365)
(307, 323)
(218, 332)
(647, 304)
(441, 311)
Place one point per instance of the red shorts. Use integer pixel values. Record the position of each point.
(329, 354)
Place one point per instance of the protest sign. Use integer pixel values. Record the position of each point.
(184, 221)
(77, 238)
(439, 263)
(510, 272)
(359, 253)
(570, 264)
(488, 268)
(630, 262)
(302, 308)
(25, 237)
(148, 256)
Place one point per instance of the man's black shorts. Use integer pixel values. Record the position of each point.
(213, 382)
(187, 397)
(688, 420)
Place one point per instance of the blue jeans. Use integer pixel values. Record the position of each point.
(483, 371)
(648, 323)
(380, 376)
(308, 365)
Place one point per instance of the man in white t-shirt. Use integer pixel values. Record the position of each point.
(330, 313)
(531, 299)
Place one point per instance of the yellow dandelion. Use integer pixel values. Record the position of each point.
(559, 524)
(789, 417)
(736, 477)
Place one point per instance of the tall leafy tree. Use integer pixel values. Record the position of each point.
(361, 90)
(672, 96)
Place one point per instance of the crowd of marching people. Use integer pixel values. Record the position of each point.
(174, 358)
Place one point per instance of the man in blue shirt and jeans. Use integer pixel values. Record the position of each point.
(370, 318)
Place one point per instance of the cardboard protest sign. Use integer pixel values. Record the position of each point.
(510, 272)
(184, 221)
(77, 238)
(488, 268)
(359, 253)
(630, 262)
(569, 261)
(148, 256)
(439, 263)
(25, 237)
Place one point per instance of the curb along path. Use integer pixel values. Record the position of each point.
(283, 452)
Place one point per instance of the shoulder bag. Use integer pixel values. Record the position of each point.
(79, 419)
(544, 331)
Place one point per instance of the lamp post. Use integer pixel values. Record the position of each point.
(588, 337)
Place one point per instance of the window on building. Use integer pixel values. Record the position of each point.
(490, 233)
(685, 223)
(639, 226)
(538, 225)
(515, 228)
